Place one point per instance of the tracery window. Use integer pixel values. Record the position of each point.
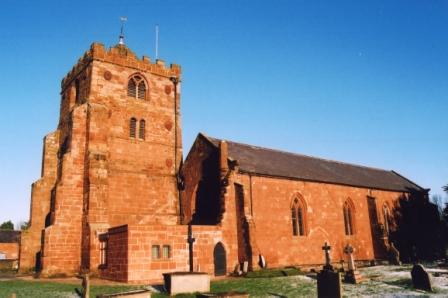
(298, 213)
(348, 218)
(137, 87)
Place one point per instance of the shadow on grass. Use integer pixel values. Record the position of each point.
(403, 283)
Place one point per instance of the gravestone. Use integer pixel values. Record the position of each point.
(394, 255)
(420, 278)
(351, 275)
(261, 261)
(245, 266)
(328, 281)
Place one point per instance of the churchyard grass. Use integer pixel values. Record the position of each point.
(42, 289)
(380, 281)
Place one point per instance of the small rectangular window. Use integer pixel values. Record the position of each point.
(141, 131)
(155, 252)
(166, 252)
(103, 251)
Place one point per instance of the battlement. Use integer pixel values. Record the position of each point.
(123, 56)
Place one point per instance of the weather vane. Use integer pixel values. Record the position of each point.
(121, 40)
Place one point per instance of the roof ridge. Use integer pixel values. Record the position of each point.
(303, 155)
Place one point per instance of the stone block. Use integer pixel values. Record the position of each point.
(186, 282)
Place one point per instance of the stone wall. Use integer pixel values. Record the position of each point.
(257, 220)
(271, 198)
(130, 259)
(95, 175)
(40, 203)
(11, 250)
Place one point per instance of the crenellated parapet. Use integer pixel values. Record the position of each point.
(123, 56)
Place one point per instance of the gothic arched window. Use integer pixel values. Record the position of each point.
(137, 87)
(141, 129)
(132, 127)
(386, 218)
(348, 218)
(298, 217)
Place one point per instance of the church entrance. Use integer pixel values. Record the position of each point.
(219, 259)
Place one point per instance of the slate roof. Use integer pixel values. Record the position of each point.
(8, 236)
(270, 162)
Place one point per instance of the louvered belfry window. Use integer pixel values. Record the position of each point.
(141, 130)
(132, 127)
(137, 87)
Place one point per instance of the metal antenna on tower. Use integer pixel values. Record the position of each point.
(157, 41)
(121, 39)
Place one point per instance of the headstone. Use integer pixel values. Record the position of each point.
(420, 278)
(351, 275)
(245, 266)
(261, 261)
(328, 281)
(394, 255)
(329, 284)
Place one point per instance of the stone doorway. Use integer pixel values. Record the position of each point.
(219, 259)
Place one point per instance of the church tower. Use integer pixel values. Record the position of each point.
(112, 161)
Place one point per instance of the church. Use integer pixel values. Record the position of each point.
(116, 197)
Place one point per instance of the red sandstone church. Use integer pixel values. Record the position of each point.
(116, 197)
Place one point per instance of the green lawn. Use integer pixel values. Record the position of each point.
(51, 289)
(290, 287)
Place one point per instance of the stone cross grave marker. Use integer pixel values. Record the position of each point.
(351, 261)
(352, 275)
(327, 249)
(420, 278)
(328, 281)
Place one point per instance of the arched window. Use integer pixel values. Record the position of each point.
(348, 219)
(298, 217)
(77, 92)
(132, 127)
(386, 217)
(137, 87)
(141, 129)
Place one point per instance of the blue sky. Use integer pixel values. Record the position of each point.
(357, 81)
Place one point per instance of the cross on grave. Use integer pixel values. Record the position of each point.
(351, 261)
(351, 275)
(190, 241)
(327, 249)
